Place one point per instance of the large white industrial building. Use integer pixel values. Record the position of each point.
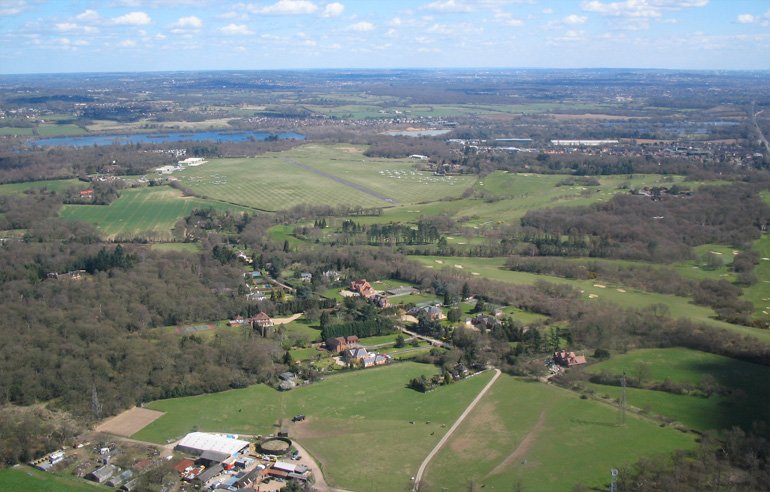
(214, 447)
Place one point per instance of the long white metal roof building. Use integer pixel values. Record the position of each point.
(201, 442)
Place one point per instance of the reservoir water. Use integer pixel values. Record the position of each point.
(162, 138)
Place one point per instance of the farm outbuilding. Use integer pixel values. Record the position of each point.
(214, 447)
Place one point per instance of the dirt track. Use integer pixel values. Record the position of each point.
(454, 427)
(523, 447)
(129, 422)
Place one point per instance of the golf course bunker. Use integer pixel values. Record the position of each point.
(278, 446)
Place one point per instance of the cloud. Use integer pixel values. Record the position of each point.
(763, 20)
(547, 11)
(66, 26)
(190, 22)
(362, 26)
(236, 30)
(333, 9)
(128, 43)
(514, 22)
(448, 6)
(88, 16)
(132, 19)
(575, 19)
(13, 7)
(640, 8)
(289, 7)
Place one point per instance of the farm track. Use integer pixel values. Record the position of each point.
(341, 181)
(443, 441)
(523, 447)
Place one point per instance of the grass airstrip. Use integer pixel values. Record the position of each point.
(319, 174)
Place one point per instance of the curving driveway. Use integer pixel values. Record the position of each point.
(454, 427)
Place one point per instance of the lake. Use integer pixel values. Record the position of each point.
(162, 138)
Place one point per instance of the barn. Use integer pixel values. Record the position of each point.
(213, 447)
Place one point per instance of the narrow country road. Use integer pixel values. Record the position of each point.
(427, 339)
(451, 430)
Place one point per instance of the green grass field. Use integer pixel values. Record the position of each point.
(344, 411)
(176, 247)
(759, 293)
(503, 198)
(685, 366)
(544, 438)
(27, 479)
(679, 307)
(16, 131)
(269, 182)
(60, 130)
(53, 185)
(143, 212)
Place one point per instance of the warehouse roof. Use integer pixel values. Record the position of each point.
(200, 442)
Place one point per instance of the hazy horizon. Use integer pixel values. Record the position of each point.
(203, 35)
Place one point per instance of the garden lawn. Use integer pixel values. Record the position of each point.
(304, 328)
(27, 479)
(679, 307)
(544, 438)
(144, 212)
(366, 406)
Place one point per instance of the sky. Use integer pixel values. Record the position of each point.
(55, 36)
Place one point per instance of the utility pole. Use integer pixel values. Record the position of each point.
(623, 399)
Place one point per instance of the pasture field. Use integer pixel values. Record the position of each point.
(544, 438)
(685, 366)
(144, 212)
(192, 248)
(679, 307)
(53, 184)
(319, 174)
(345, 408)
(27, 479)
(60, 130)
(16, 131)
